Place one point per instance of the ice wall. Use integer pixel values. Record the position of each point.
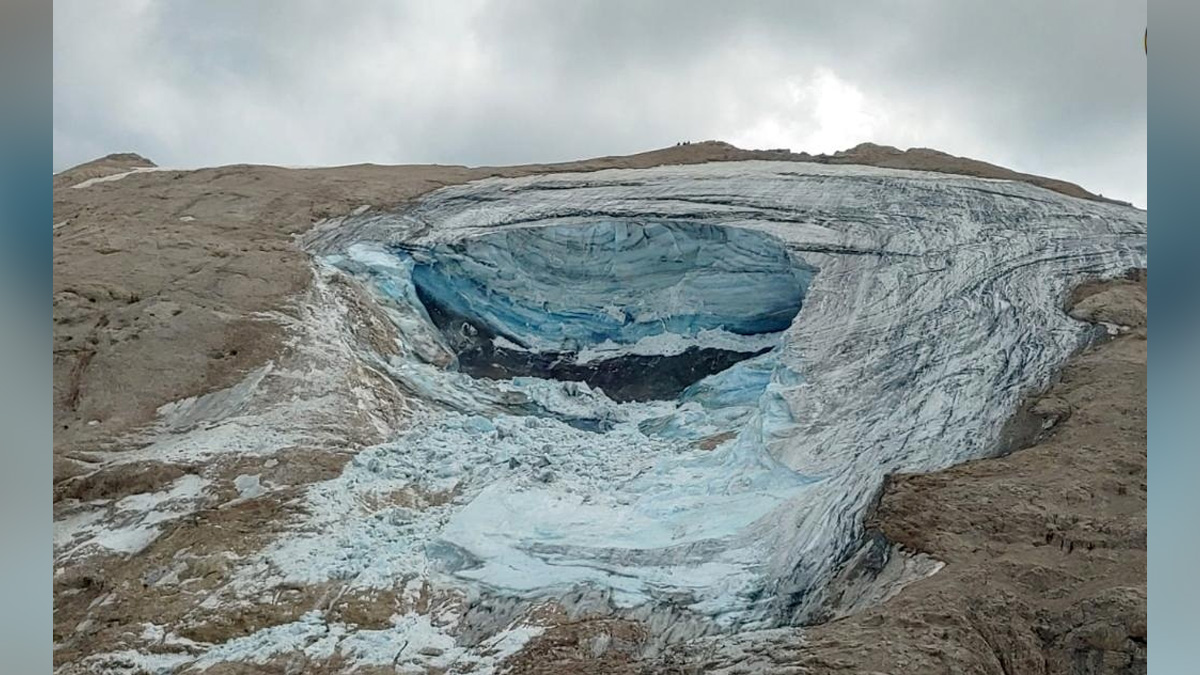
(569, 288)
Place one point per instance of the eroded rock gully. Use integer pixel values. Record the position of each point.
(406, 457)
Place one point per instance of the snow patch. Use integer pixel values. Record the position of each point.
(413, 643)
(118, 176)
(248, 487)
(129, 525)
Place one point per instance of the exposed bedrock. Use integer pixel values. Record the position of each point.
(936, 307)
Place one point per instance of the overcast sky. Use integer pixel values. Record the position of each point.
(1054, 88)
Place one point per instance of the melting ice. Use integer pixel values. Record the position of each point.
(683, 385)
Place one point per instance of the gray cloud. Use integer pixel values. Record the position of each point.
(1052, 88)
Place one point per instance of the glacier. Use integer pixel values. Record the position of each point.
(676, 391)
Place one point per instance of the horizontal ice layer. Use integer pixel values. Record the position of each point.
(671, 344)
(937, 306)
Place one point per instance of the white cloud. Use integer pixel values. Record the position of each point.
(820, 113)
(489, 82)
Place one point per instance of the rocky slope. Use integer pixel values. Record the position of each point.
(212, 386)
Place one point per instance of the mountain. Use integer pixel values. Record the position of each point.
(701, 408)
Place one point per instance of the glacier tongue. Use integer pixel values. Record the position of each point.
(928, 305)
